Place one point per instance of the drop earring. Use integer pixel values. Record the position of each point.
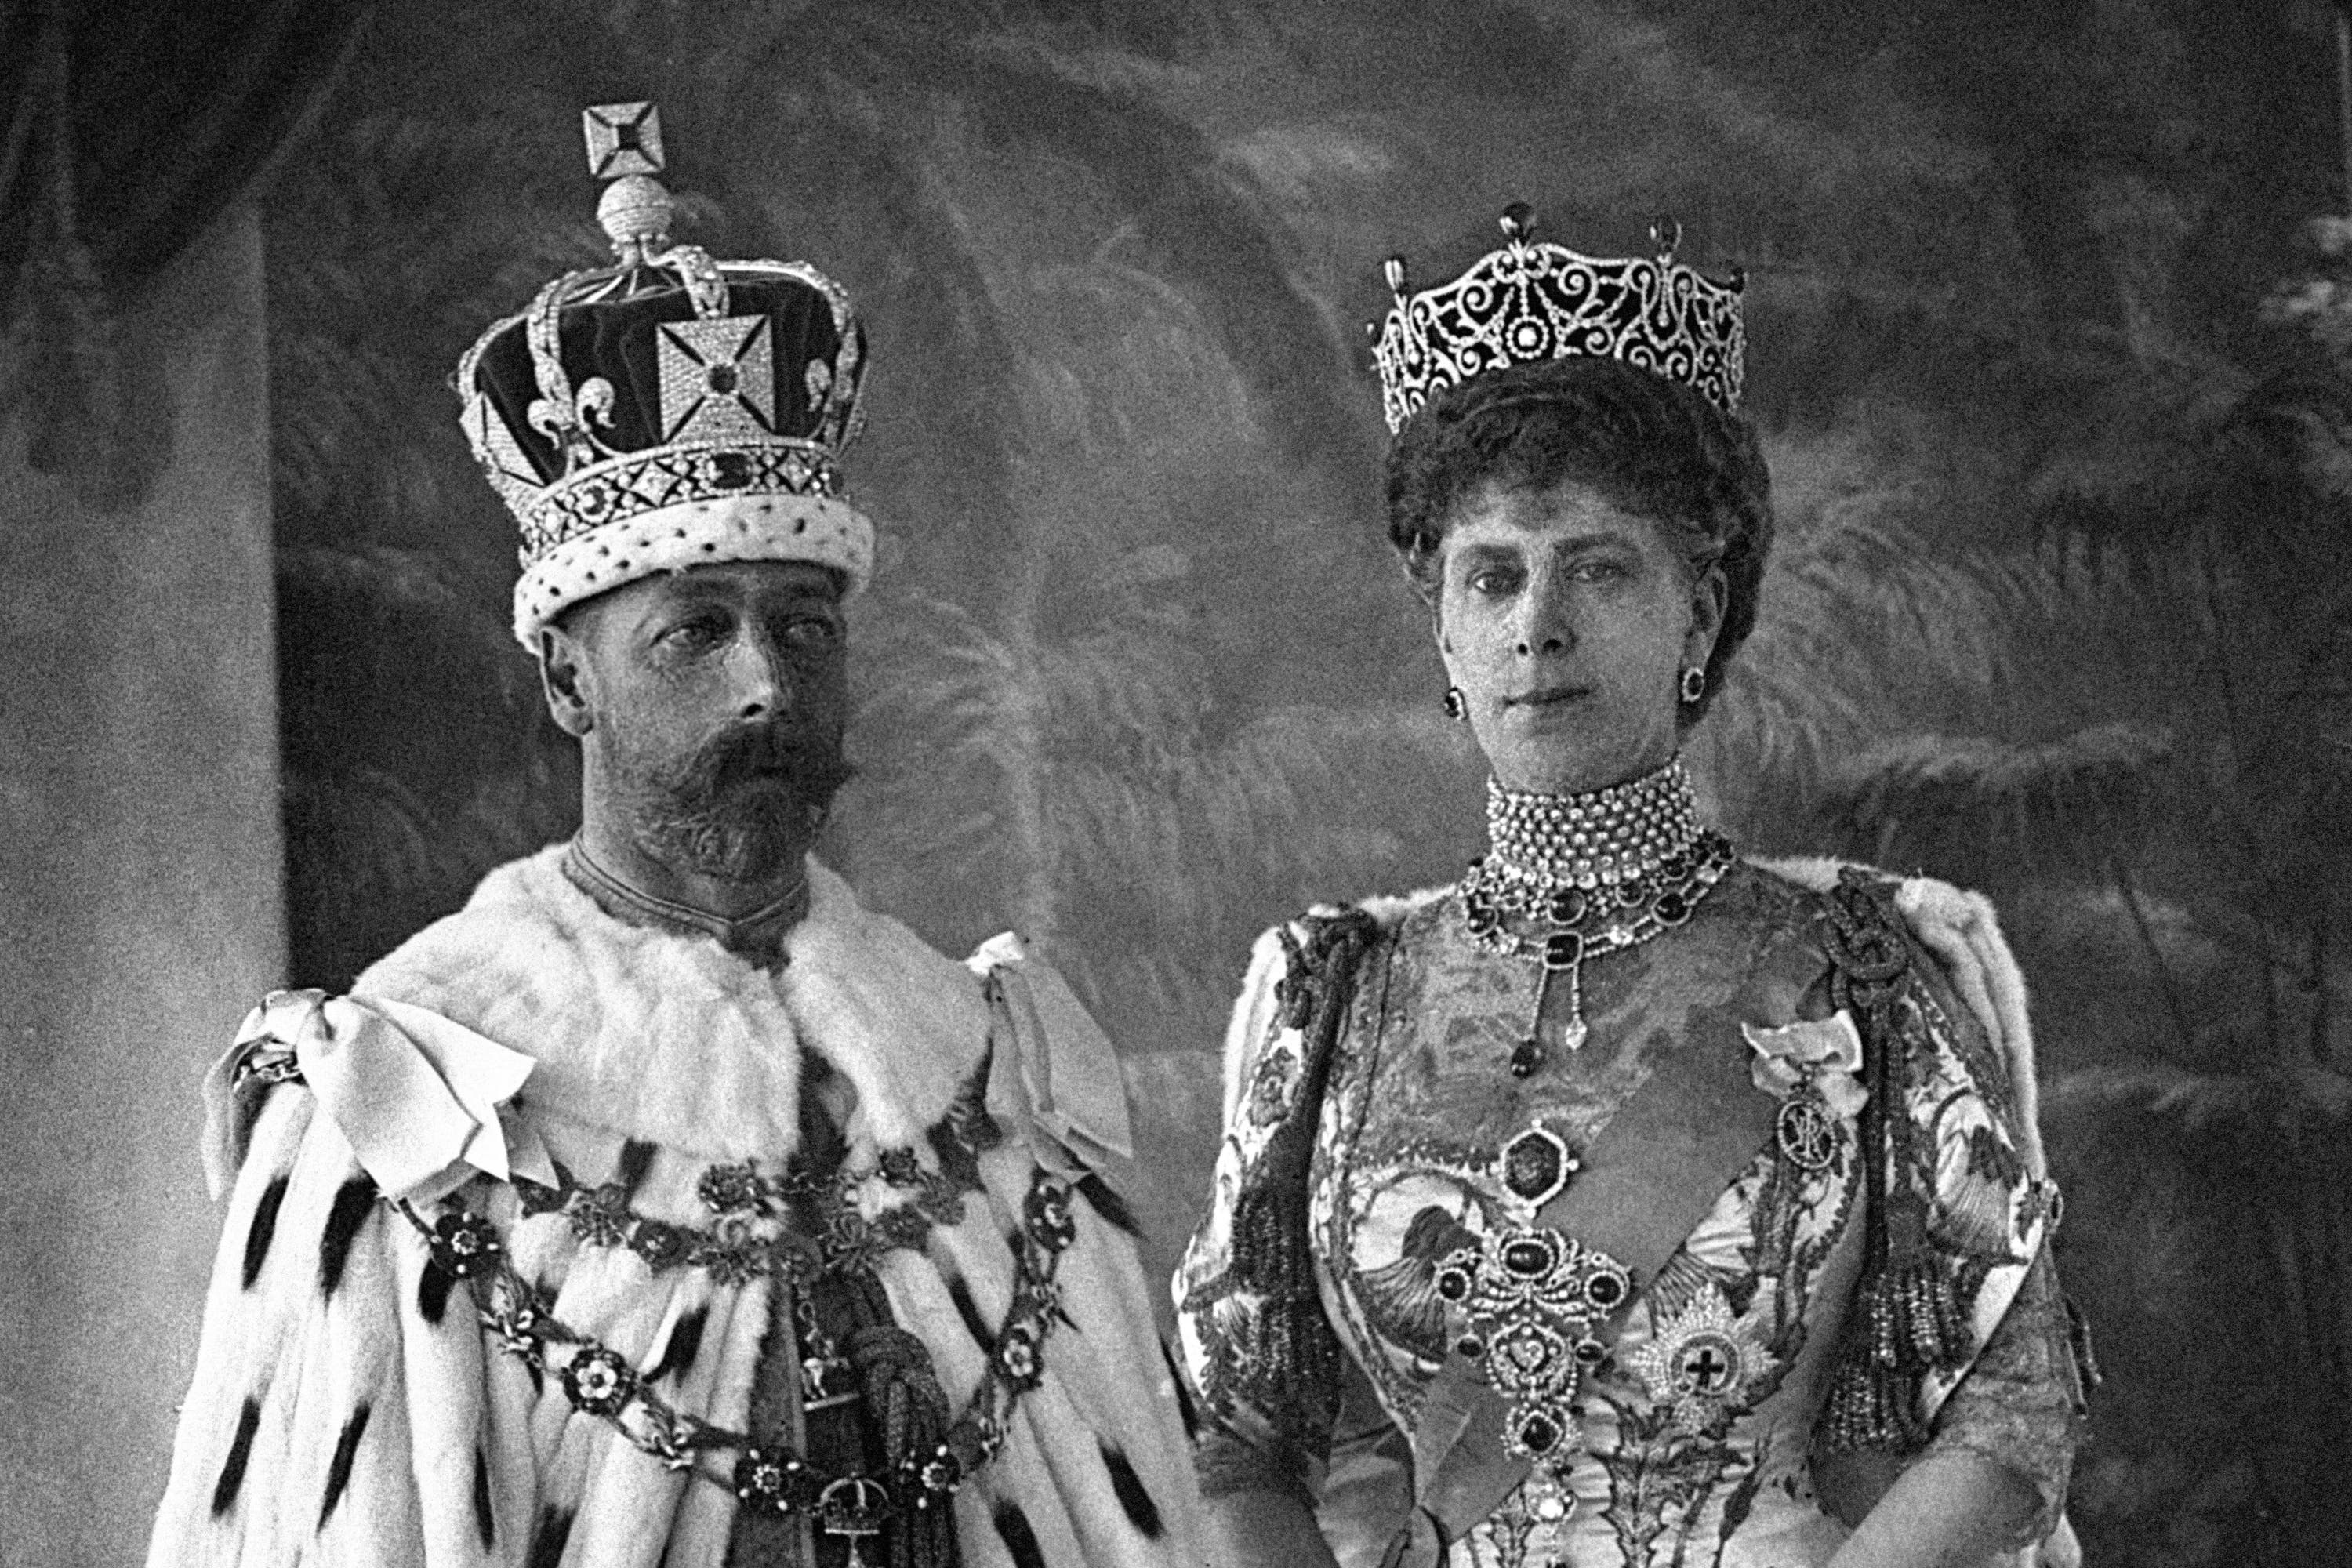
(1693, 684)
(1457, 706)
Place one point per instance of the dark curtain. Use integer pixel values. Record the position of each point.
(129, 125)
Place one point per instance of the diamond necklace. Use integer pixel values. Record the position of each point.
(1600, 872)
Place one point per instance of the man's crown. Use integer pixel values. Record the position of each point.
(669, 410)
(1529, 302)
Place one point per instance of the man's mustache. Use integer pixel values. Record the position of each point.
(813, 766)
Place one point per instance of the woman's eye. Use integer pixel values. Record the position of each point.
(1492, 581)
(1598, 572)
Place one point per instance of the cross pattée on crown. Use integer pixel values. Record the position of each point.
(625, 149)
(623, 139)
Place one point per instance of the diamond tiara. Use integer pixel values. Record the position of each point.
(1529, 302)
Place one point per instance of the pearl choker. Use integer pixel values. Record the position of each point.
(1603, 836)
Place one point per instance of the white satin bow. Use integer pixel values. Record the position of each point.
(423, 1102)
(1823, 1052)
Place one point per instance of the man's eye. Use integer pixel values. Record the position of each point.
(812, 632)
(700, 632)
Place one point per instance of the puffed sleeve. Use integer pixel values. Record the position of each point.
(1958, 1338)
(2021, 1404)
(1257, 1349)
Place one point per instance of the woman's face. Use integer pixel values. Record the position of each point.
(1566, 622)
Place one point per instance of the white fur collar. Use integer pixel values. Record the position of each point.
(668, 1037)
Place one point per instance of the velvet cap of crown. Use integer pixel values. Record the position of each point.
(669, 410)
(1528, 302)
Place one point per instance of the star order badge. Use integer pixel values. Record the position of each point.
(1701, 1361)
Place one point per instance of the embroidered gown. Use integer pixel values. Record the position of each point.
(1696, 1408)
(742, 1185)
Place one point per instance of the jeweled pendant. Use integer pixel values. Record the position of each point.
(1537, 1164)
(1807, 1132)
(1525, 1057)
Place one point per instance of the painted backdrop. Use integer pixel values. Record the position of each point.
(2044, 350)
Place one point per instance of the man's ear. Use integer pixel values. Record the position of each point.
(563, 679)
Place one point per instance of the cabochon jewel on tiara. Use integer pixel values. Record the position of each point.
(667, 410)
(1529, 302)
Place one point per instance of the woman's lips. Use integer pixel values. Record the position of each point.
(1547, 697)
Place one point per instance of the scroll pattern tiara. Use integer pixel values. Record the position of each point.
(1529, 302)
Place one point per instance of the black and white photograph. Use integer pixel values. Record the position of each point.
(1175, 783)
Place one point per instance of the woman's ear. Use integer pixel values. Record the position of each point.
(1710, 600)
(563, 680)
(1429, 582)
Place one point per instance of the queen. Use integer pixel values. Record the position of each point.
(1626, 1202)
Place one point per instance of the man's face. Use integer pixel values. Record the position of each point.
(713, 702)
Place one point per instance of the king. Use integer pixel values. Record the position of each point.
(664, 1207)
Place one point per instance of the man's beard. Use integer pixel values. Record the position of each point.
(741, 807)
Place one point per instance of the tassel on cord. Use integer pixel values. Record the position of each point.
(909, 1407)
(1909, 1316)
(1291, 1368)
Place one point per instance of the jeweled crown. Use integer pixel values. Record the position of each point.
(669, 409)
(1529, 302)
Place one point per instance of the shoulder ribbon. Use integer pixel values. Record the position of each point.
(1061, 1073)
(424, 1101)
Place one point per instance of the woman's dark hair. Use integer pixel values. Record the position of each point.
(1655, 447)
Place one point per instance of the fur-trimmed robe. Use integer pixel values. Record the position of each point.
(348, 1409)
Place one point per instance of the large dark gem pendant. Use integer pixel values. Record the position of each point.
(1525, 1057)
(1541, 1433)
(1536, 1165)
(1532, 1254)
(1563, 950)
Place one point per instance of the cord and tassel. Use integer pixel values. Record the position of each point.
(910, 1409)
(1910, 1313)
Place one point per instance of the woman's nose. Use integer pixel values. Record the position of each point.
(1544, 625)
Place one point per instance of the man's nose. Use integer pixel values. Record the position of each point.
(762, 688)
